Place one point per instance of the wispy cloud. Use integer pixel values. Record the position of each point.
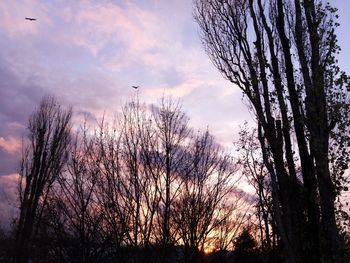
(10, 144)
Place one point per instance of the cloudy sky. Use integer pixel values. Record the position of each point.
(89, 53)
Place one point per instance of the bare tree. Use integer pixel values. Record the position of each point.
(253, 168)
(110, 190)
(138, 183)
(208, 181)
(42, 162)
(281, 54)
(236, 217)
(172, 133)
(127, 158)
(130, 177)
(77, 203)
(138, 187)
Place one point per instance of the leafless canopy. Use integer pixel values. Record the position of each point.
(281, 54)
(42, 162)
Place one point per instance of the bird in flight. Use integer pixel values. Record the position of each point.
(30, 19)
(135, 87)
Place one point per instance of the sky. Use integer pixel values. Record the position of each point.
(88, 53)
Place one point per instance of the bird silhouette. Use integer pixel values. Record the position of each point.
(135, 87)
(30, 19)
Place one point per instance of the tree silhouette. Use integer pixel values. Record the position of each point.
(281, 54)
(42, 162)
(204, 203)
(145, 188)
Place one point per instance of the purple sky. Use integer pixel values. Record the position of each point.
(89, 53)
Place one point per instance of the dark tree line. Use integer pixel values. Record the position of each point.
(143, 187)
(282, 55)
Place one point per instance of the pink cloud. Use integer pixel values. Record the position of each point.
(97, 25)
(180, 90)
(131, 33)
(10, 144)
